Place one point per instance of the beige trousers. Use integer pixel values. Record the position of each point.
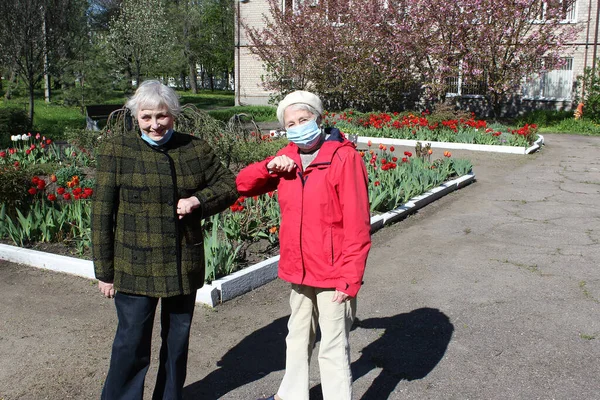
(311, 306)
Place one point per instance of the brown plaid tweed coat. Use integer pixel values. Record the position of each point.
(138, 241)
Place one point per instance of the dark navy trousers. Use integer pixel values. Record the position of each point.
(130, 356)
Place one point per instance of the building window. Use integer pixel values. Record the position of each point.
(565, 10)
(555, 84)
(460, 85)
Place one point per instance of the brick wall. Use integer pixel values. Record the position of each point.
(249, 68)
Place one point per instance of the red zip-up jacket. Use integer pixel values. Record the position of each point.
(325, 220)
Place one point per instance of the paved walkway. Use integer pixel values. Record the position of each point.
(492, 292)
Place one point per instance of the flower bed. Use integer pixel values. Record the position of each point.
(425, 128)
(51, 192)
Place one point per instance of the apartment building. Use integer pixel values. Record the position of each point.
(554, 89)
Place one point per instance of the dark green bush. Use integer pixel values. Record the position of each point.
(82, 138)
(12, 122)
(543, 118)
(244, 153)
(13, 186)
(65, 174)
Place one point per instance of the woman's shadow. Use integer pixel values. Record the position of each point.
(409, 347)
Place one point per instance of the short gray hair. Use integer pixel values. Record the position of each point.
(153, 94)
(301, 106)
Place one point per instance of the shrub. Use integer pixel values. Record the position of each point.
(64, 175)
(543, 118)
(82, 138)
(446, 111)
(12, 122)
(13, 186)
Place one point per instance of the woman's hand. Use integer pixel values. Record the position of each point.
(187, 205)
(281, 164)
(107, 289)
(340, 297)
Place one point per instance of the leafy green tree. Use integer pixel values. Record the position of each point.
(34, 33)
(139, 37)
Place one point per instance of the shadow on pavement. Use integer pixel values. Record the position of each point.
(257, 355)
(409, 348)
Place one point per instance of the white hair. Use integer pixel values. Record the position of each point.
(153, 94)
(301, 106)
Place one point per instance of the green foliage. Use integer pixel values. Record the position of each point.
(393, 183)
(43, 221)
(258, 113)
(13, 186)
(131, 43)
(12, 122)
(65, 174)
(583, 126)
(591, 81)
(245, 153)
(82, 138)
(219, 252)
(543, 117)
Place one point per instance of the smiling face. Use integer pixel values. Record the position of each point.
(155, 122)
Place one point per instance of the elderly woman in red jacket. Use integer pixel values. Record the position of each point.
(324, 241)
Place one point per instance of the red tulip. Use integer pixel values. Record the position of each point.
(51, 197)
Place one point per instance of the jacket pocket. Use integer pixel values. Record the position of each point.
(328, 246)
(134, 199)
(139, 259)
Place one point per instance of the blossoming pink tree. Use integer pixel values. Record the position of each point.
(371, 53)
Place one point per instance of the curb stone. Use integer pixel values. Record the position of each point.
(239, 282)
(455, 146)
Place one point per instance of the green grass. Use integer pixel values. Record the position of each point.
(259, 113)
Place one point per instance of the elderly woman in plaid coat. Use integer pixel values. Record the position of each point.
(153, 187)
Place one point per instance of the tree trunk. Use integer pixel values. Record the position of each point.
(193, 75)
(31, 102)
(212, 83)
(182, 78)
(46, 63)
(9, 85)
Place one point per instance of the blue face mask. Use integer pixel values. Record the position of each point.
(305, 136)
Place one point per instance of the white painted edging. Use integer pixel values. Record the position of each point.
(457, 146)
(234, 284)
(53, 262)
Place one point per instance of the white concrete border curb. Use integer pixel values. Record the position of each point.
(239, 282)
(456, 146)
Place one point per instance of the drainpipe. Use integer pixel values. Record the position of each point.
(587, 45)
(595, 40)
(237, 74)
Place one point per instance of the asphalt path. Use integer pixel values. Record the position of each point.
(492, 292)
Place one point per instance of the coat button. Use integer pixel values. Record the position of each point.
(170, 202)
(174, 252)
(171, 219)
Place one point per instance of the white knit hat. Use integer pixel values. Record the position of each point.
(299, 97)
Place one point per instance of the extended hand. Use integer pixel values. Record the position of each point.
(281, 164)
(186, 206)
